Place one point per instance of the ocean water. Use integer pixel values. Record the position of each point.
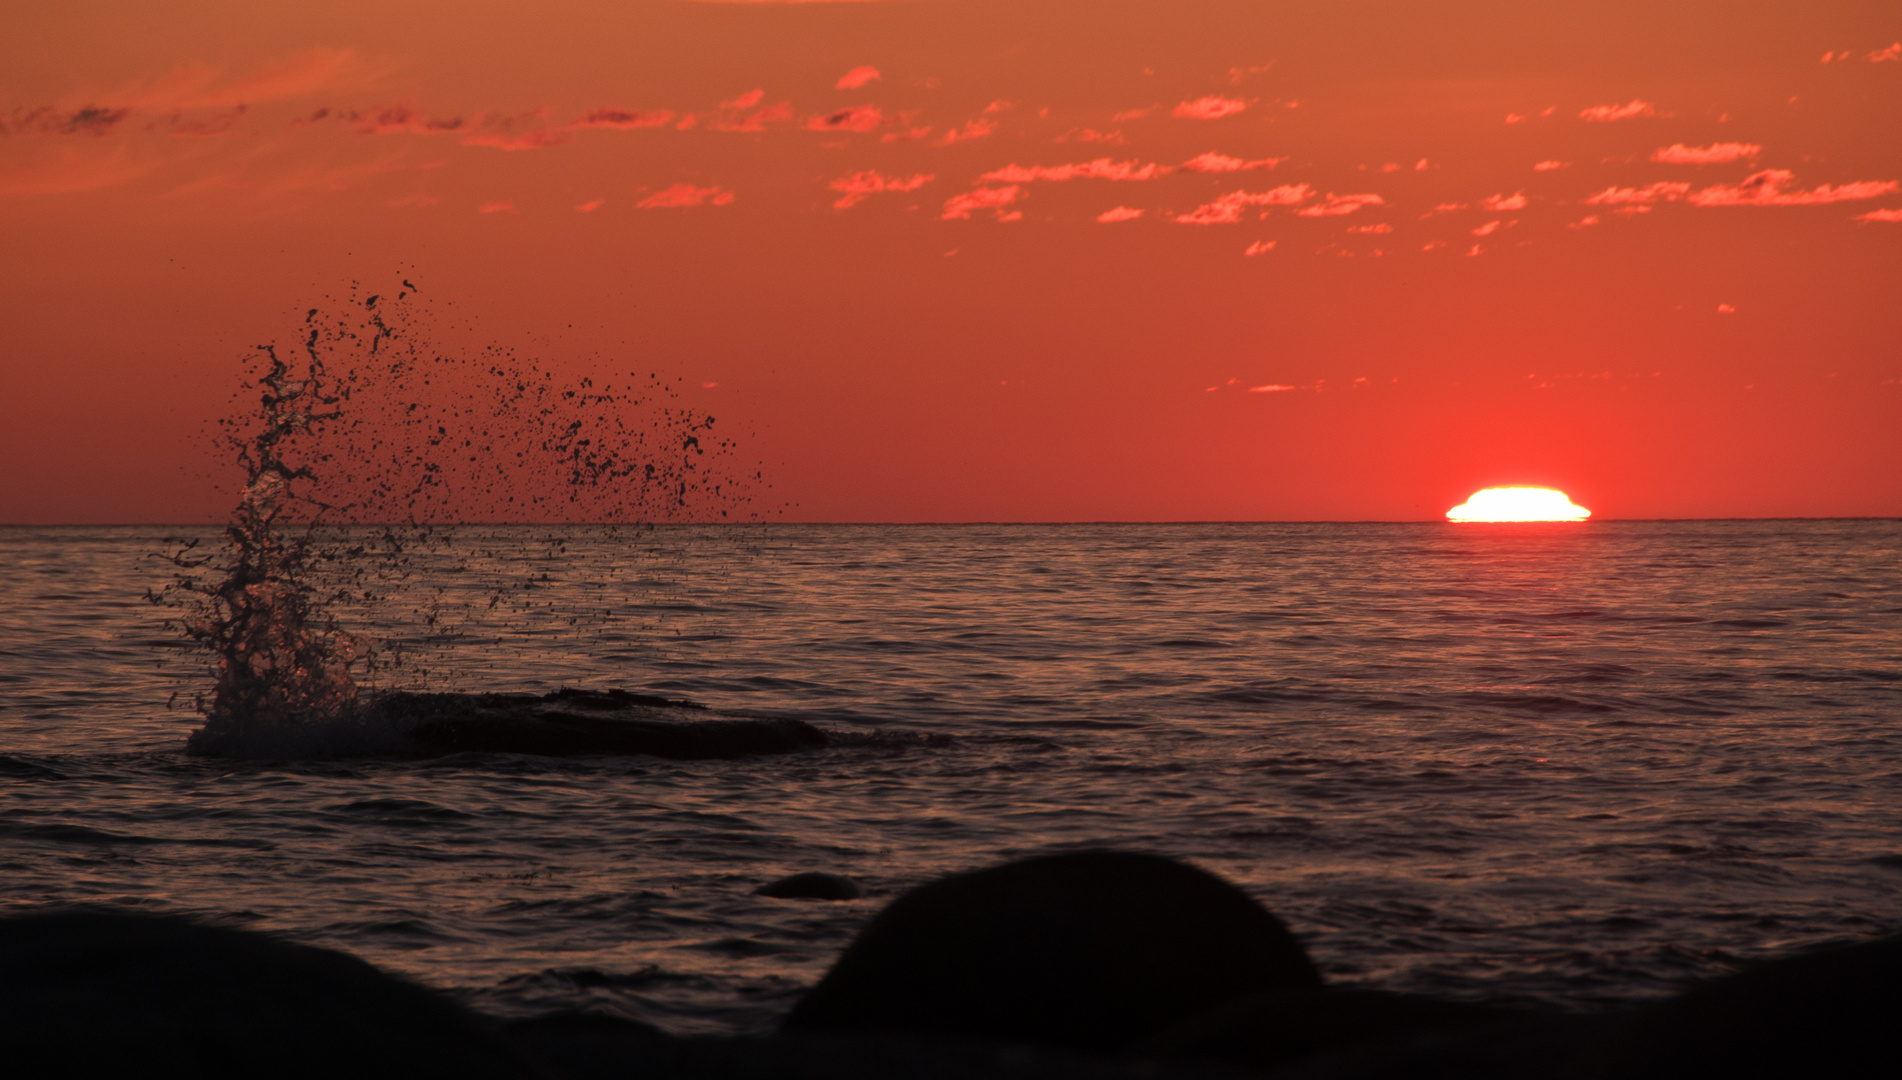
(1575, 765)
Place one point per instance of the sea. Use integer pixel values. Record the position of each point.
(1568, 765)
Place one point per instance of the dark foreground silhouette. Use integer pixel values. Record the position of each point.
(1090, 965)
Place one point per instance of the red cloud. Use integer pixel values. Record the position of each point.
(1714, 154)
(1100, 169)
(1257, 248)
(1487, 229)
(1133, 114)
(625, 119)
(857, 77)
(1227, 210)
(976, 129)
(1119, 213)
(506, 206)
(1207, 108)
(91, 120)
(1341, 204)
(591, 206)
(1214, 162)
(753, 123)
(1548, 166)
(745, 101)
(1271, 388)
(685, 195)
(861, 118)
(533, 140)
(1605, 113)
(1662, 191)
(859, 186)
(1113, 138)
(1515, 201)
(1893, 52)
(1766, 189)
(960, 207)
(1880, 215)
(1382, 227)
(401, 119)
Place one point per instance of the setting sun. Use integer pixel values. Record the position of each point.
(1518, 504)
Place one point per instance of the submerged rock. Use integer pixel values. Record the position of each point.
(1093, 952)
(811, 885)
(561, 724)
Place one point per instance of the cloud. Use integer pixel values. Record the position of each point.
(1099, 169)
(1499, 203)
(88, 120)
(857, 77)
(1271, 388)
(1341, 204)
(1714, 154)
(1214, 162)
(1208, 108)
(400, 119)
(1726, 309)
(1765, 188)
(625, 119)
(1828, 56)
(1662, 191)
(1893, 52)
(1608, 113)
(1881, 215)
(1228, 209)
(1134, 114)
(976, 129)
(752, 124)
(1111, 138)
(1382, 227)
(505, 206)
(747, 100)
(70, 168)
(685, 195)
(1514, 118)
(1487, 229)
(960, 207)
(591, 206)
(1259, 247)
(856, 187)
(1118, 213)
(860, 118)
(1585, 222)
(1548, 166)
(533, 140)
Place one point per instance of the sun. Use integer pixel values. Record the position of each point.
(1518, 504)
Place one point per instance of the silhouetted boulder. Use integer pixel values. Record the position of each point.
(1094, 951)
(811, 885)
(99, 994)
(1825, 1013)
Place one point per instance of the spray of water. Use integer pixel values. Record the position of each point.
(361, 455)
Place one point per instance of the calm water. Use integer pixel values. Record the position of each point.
(1569, 764)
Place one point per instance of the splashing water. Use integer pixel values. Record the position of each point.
(361, 456)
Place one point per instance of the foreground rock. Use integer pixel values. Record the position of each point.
(119, 994)
(1094, 951)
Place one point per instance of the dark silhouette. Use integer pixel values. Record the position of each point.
(811, 885)
(1093, 951)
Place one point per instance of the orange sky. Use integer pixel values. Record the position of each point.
(956, 260)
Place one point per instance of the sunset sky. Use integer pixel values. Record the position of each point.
(960, 260)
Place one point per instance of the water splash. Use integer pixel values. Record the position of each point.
(362, 454)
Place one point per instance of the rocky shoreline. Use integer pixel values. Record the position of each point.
(1091, 964)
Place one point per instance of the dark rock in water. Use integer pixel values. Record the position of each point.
(1825, 1013)
(811, 885)
(100, 994)
(570, 722)
(1095, 951)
